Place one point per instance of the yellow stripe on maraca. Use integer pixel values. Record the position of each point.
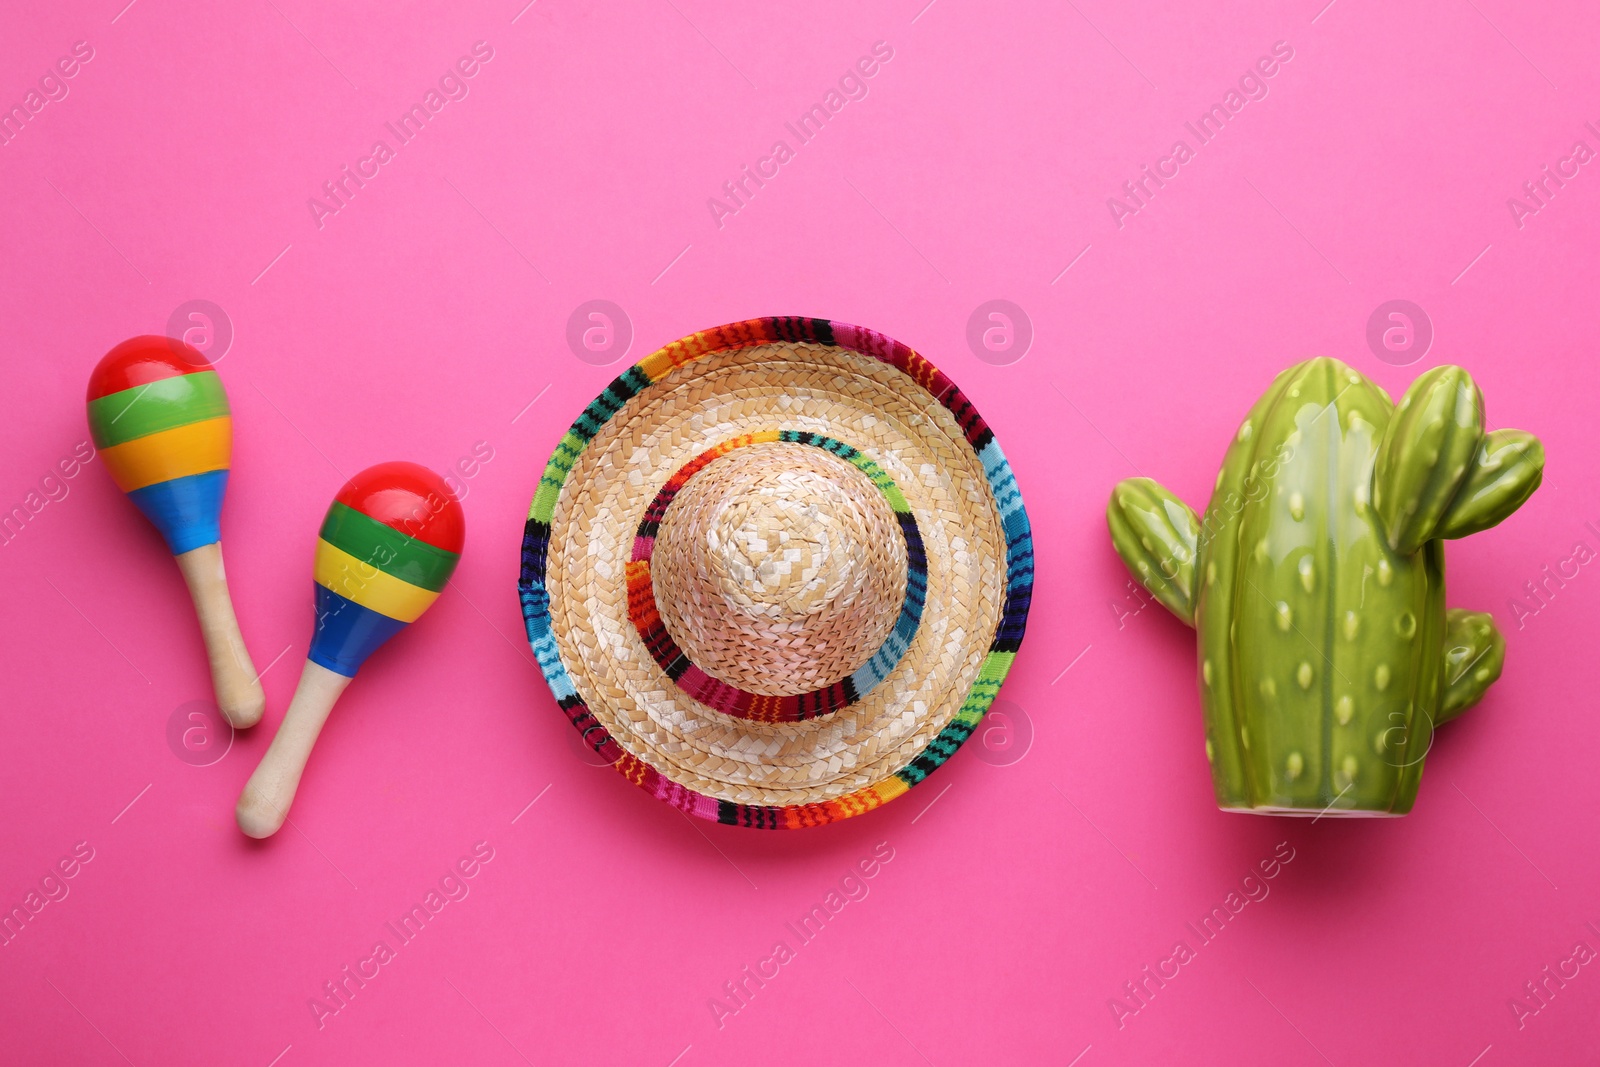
(359, 581)
(176, 453)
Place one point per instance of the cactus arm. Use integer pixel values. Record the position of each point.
(1474, 653)
(1507, 469)
(1157, 536)
(1423, 459)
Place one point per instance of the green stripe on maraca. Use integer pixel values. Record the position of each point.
(382, 546)
(160, 405)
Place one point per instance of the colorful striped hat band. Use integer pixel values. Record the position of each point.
(776, 572)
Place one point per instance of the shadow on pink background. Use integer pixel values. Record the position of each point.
(1070, 846)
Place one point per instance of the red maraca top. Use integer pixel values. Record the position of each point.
(142, 360)
(410, 498)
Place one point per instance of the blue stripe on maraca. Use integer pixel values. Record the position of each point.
(186, 510)
(347, 633)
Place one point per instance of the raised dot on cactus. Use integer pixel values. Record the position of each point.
(1268, 687)
(1349, 766)
(1244, 736)
(1245, 430)
(1482, 674)
(1293, 766)
(1261, 550)
(1361, 500)
(1211, 753)
(1205, 670)
(1148, 547)
(1303, 675)
(1308, 576)
(1344, 709)
(1211, 574)
(1380, 677)
(1285, 616)
(1385, 572)
(1220, 475)
(1406, 625)
(1352, 625)
(1297, 506)
(1380, 742)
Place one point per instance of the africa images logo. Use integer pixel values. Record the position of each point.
(852, 85)
(1138, 992)
(741, 989)
(52, 89)
(1251, 86)
(1538, 191)
(454, 84)
(453, 886)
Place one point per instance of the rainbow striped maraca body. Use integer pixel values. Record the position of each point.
(159, 416)
(389, 543)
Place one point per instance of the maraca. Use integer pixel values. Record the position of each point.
(389, 543)
(159, 416)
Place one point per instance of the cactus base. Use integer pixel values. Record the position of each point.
(1318, 813)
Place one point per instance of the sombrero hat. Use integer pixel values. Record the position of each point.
(776, 572)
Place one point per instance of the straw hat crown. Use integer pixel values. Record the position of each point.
(779, 569)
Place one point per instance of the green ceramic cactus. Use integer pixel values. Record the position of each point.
(1316, 583)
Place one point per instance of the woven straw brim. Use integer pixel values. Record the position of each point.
(811, 376)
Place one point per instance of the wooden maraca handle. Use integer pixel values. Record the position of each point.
(233, 676)
(264, 804)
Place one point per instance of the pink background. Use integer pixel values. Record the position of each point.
(431, 310)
